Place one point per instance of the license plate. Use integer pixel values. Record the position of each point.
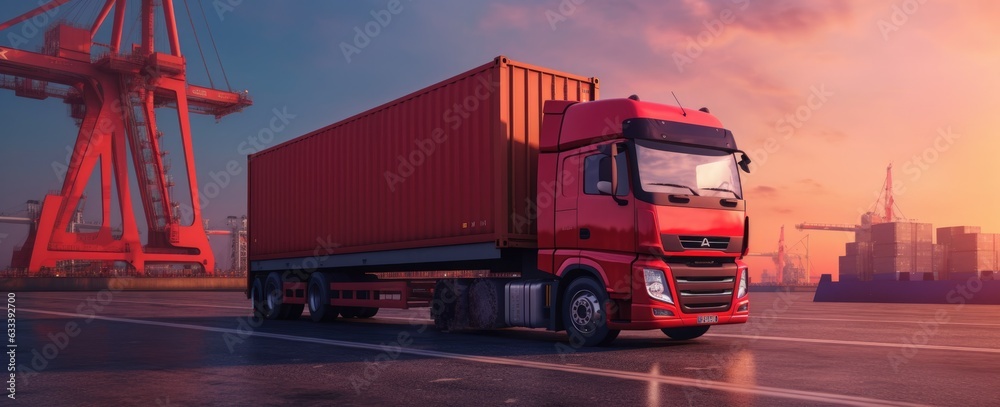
(708, 319)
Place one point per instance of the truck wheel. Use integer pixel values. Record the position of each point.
(585, 314)
(685, 333)
(274, 298)
(318, 298)
(257, 296)
(443, 304)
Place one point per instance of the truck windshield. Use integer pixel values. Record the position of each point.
(683, 170)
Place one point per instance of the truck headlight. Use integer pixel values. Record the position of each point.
(743, 283)
(656, 285)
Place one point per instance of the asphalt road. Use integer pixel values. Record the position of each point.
(198, 348)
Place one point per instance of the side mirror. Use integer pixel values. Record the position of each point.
(744, 162)
(604, 187)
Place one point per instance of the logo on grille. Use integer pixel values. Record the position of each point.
(704, 242)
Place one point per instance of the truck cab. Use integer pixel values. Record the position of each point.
(646, 225)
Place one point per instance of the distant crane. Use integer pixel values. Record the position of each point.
(237, 233)
(113, 98)
(867, 219)
(782, 260)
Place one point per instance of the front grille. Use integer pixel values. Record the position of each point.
(704, 242)
(704, 286)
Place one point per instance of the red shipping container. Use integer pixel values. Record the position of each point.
(453, 163)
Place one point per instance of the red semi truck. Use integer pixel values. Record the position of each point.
(506, 196)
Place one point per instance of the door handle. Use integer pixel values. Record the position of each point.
(584, 233)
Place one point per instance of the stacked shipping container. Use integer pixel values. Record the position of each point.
(969, 251)
(856, 264)
(904, 250)
(901, 248)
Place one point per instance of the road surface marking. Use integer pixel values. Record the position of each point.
(886, 321)
(247, 308)
(806, 340)
(861, 343)
(429, 320)
(764, 391)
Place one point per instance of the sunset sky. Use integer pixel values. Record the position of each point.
(823, 94)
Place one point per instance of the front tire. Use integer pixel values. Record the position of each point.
(585, 314)
(685, 333)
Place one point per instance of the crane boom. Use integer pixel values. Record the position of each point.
(114, 98)
(828, 226)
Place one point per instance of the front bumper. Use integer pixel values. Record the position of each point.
(647, 313)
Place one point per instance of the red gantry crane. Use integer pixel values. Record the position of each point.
(113, 96)
(867, 219)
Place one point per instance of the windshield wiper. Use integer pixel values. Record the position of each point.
(675, 186)
(725, 190)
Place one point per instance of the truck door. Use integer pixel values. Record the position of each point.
(603, 224)
(568, 180)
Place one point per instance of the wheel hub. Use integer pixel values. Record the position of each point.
(586, 311)
(314, 303)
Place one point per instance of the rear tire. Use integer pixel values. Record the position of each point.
(274, 300)
(274, 297)
(685, 333)
(585, 314)
(257, 296)
(318, 298)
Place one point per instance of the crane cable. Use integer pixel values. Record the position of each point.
(197, 41)
(212, 38)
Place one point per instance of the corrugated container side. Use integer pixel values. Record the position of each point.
(863, 235)
(944, 233)
(903, 232)
(453, 163)
(901, 249)
(973, 242)
(961, 262)
(848, 268)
